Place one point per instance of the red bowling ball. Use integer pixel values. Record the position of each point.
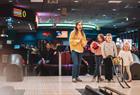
(95, 45)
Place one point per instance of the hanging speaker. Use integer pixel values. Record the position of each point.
(64, 11)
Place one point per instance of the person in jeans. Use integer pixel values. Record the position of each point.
(108, 50)
(126, 55)
(95, 48)
(77, 43)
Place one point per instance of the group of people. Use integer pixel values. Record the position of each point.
(104, 49)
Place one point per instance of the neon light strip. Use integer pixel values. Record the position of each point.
(66, 25)
(45, 24)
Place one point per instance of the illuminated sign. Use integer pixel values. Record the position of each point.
(7, 10)
(23, 14)
(19, 12)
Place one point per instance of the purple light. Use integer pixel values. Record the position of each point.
(47, 14)
(43, 17)
(22, 6)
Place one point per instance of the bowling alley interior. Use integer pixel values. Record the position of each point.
(69, 47)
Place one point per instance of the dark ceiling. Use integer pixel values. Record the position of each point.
(99, 12)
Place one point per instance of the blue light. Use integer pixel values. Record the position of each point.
(29, 38)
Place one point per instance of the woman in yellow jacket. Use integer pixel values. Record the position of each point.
(77, 43)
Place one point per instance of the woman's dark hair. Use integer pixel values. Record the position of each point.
(76, 29)
(101, 36)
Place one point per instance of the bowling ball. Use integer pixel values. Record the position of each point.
(116, 61)
(95, 45)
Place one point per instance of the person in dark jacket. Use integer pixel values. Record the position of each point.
(46, 55)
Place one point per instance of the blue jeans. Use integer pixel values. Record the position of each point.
(98, 61)
(77, 59)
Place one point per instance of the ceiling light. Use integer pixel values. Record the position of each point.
(114, 9)
(18, 22)
(73, 9)
(138, 1)
(114, 1)
(58, 9)
(104, 15)
(126, 18)
(76, 1)
(10, 0)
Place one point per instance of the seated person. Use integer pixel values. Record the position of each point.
(47, 56)
(48, 53)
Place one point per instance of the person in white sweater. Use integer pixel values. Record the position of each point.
(126, 55)
(108, 50)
